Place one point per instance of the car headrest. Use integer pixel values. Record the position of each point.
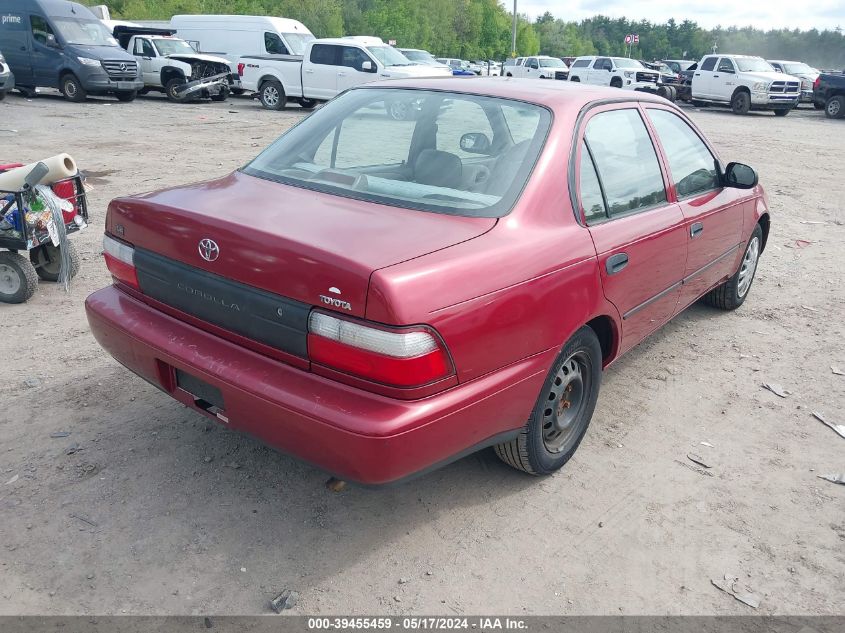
(437, 168)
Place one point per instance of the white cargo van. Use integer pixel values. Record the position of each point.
(232, 36)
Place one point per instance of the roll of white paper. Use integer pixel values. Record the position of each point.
(61, 166)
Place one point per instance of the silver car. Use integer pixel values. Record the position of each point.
(7, 79)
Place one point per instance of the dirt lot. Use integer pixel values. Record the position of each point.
(159, 511)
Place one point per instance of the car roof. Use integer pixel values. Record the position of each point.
(556, 95)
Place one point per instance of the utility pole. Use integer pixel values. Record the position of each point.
(513, 41)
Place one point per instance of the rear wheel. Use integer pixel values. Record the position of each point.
(18, 280)
(2, 95)
(563, 410)
(818, 106)
(272, 95)
(741, 102)
(47, 260)
(222, 95)
(72, 88)
(835, 107)
(307, 104)
(731, 294)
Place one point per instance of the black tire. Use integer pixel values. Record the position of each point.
(18, 280)
(674, 94)
(818, 106)
(2, 95)
(616, 82)
(576, 373)
(698, 104)
(732, 294)
(741, 102)
(238, 91)
(126, 96)
(221, 96)
(835, 107)
(272, 95)
(782, 111)
(307, 104)
(47, 259)
(72, 88)
(508, 75)
(171, 90)
(576, 79)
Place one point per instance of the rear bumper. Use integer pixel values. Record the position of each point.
(356, 435)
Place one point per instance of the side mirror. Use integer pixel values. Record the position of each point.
(475, 143)
(739, 176)
(367, 67)
(51, 41)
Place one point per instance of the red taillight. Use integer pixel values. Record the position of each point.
(404, 358)
(120, 260)
(817, 82)
(240, 69)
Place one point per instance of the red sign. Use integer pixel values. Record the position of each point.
(636, 39)
(628, 39)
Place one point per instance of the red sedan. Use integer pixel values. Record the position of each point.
(380, 297)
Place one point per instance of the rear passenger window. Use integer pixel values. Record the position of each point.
(581, 63)
(625, 161)
(589, 189)
(709, 63)
(324, 54)
(273, 44)
(692, 165)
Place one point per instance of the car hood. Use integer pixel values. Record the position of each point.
(768, 76)
(199, 57)
(416, 70)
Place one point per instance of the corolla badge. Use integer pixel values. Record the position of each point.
(209, 250)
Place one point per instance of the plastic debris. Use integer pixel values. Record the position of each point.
(836, 478)
(810, 308)
(84, 519)
(776, 389)
(59, 434)
(12, 480)
(696, 459)
(730, 584)
(707, 444)
(839, 428)
(837, 371)
(285, 600)
(335, 485)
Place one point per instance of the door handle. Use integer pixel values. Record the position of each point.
(698, 74)
(309, 71)
(696, 229)
(714, 76)
(341, 74)
(615, 263)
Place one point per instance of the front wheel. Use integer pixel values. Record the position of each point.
(2, 95)
(835, 107)
(741, 102)
(781, 112)
(732, 294)
(563, 410)
(616, 82)
(272, 95)
(576, 79)
(307, 104)
(173, 90)
(72, 89)
(126, 96)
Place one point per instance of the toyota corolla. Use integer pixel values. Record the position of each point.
(379, 297)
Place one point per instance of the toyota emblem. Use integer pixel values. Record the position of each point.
(123, 67)
(209, 250)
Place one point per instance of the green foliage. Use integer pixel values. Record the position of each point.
(481, 29)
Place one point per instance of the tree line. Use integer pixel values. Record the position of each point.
(481, 29)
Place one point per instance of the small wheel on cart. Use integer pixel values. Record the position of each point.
(47, 260)
(18, 279)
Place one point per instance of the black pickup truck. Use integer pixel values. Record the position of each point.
(829, 93)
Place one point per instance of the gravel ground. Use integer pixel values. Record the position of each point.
(148, 508)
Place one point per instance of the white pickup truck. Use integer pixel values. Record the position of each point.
(170, 65)
(328, 67)
(540, 67)
(744, 83)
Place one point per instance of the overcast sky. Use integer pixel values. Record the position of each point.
(820, 14)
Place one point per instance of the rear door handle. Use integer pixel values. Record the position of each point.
(616, 263)
(341, 74)
(696, 229)
(698, 74)
(714, 76)
(309, 71)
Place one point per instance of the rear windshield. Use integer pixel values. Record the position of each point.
(443, 152)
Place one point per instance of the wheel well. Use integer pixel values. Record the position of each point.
(741, 89)
(267, 78)
(64, 73)
(170, 73)
(764, 223)
(605, 330)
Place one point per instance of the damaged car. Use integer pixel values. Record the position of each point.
(171, 65)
